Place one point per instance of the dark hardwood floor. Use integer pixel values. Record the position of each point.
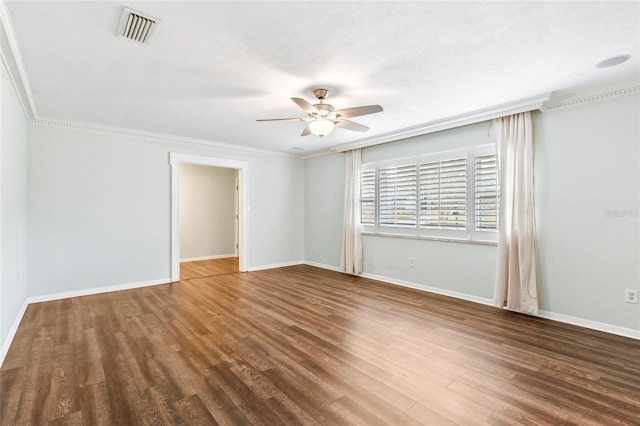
(302, 345)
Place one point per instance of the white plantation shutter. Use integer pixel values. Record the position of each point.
(486, 193)
(368, 197)
(443, 194)
(398, 196)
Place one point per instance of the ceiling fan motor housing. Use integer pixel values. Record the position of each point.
(321, 93)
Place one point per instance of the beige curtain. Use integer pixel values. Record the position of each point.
(351, 262)
(516, 281)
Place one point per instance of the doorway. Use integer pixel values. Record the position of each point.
(208, 220)
(241, 168)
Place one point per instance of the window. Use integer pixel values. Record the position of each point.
(398, 196)
(451, 195)
(486, 192)
(368, 197)
(443, 194)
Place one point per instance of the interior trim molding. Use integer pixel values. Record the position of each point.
(65, 295)
(567, 319)
(156, 137)
(175, 160)
(14, 65)
(594, 97)
(217, 256)
(12, 332)
(593, 325)
(522, 105)
(546, 102)
(324, 266)
(319, 154)
(96, 290)
(275, 265)
(489, 302)
(457, 295)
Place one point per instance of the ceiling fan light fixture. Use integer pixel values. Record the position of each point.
(321, 127)
(322, 118)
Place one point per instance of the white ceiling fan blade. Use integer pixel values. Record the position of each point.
(358, 111)
(280, 119)
(305, 105)
(306, 131)
(351, 125)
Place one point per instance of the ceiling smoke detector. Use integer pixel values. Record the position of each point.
(138, 26)
(612, 62)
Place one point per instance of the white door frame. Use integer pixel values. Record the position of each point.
(175, 160)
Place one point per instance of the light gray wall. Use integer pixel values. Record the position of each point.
(586, 171)
(437, 263)
(389, 257)
(207, 211)
(13, 207)
(475, 134)
(99, 208)
(324, 200)
(468, 269)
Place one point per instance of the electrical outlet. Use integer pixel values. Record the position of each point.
(412, 262)
(631, 295)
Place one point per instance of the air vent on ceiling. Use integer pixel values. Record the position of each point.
(137, 26)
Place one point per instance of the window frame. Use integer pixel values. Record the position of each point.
(469, 233)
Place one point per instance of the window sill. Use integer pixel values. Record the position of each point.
(422, 237)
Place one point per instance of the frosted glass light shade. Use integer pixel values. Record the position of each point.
(321, 127)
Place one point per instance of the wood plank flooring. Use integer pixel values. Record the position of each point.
(208, 268)
(302, 345)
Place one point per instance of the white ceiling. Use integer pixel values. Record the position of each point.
(215, 67)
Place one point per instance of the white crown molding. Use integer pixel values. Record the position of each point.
(13, 64)
(155, 137)
(522, 105)
(318, 154)
(543, 103)
(589, 98)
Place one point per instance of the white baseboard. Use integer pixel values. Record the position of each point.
(98, 290)
(65, 295)
(323, 266)
(275, 265)
(217, 256)
(12, 332)
(457, 295)
(594, 325)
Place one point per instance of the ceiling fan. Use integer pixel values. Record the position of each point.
(322, 118)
